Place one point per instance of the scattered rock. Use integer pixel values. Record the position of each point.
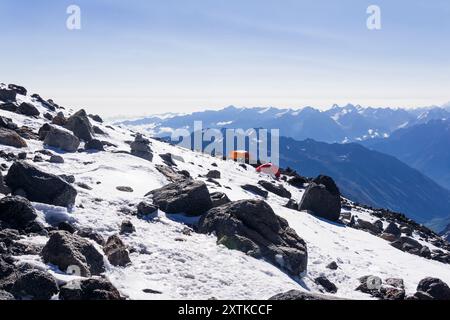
(408, 245)
(67, 178)
(94, 144)
(80, 125)
(189, 196)
(3, 188)
(297, 181)
(145, 208)
(70, 252)
(252, 227)
(125, 189)
(296, 295)
(332, 266)
(11, 138)
(127, 227)
(255, 190)
(213, 174)
(436, 288)
(7, 95)
(35, 285)
(84, 186)
(322, 198)
(65, 226)
(389, 237)
(292, 204)
(141, 148)
(8, 106)
(56, 159)
(116, 252)
(28, 109)
(40, 186)
(368, 226)
(61, 139)
(89, 289)
(326, 284)
(219, 198)
(90, 234)
(59, 119)
(16, 213)
(279, 190)
(96, 118)
(168, 160)
(48, 116)
(17, 89)
(7, 123)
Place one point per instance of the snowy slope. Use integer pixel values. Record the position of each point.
(192, 266)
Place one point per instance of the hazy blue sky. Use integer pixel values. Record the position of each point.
(145, 56)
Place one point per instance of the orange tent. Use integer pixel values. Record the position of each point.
(240, 155)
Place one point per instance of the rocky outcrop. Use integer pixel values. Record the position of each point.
(80, 125)
(40, 186)
(116, 252)
(252, 227)
(60, 138)
(71, 253)
(279, 190)
(189, 196)
(219, 198)
(141, 148)
(435, 288)
(34, 285)
(255, 190)
(28, 109)
(11, 138)
(16, 213)
(7, 95)
(94, 144)
(322, 198)
(296, 295)
(95, 288)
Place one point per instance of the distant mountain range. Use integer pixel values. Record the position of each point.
(338, 124)
(425, 147)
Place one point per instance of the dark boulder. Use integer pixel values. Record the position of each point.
(56, 159)
(116, 252)
(392, 228)
(7, 95)
(255, 190)
(3, 188)
(140, 147)
(168, 159)
(94, 144)
(16, 213)
(40, 186)
(28, 109)
(89, 289)
(90, 234)
(252, 227)
(72, 253)
(408, 245)
(43, 131)
(145, 208)
(279, 190)
(60, 138)
(436, 288)
(292, 204)
(368, 226)
(328, 286)
(96, 118)
(296, 295)
(8, 106)
(11, 138)
(7, 123)
(127, 227)
(189, 196)
(125, 189)
(322, 198)
(80, 125)
(332, 265)
(213, 174)
(297, 181)
(219, 198)
(35, 285)
(17, 89)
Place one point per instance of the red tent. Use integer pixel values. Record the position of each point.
(270, 169)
